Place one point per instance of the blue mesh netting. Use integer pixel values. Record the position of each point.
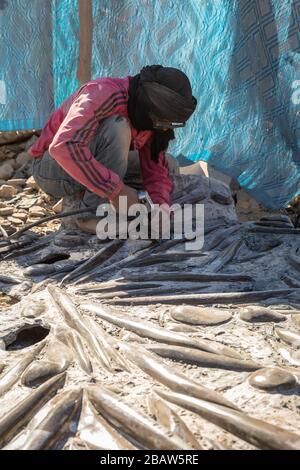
(26, 85)
(242, 57)
(65, 48)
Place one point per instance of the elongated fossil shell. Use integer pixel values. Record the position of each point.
(165, 374)
(170, 420)
(56, 424)
(70, 314)
(147, 329)
(252, 430)
(73, 339)
(56, 360)
(21, 413)
(12, 375)
(139, 427)
(97, 432)
(202, 358)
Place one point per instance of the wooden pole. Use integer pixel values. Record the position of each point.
(85, 41)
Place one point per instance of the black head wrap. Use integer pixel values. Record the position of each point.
(165, 92)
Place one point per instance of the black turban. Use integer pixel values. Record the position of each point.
(166, 93)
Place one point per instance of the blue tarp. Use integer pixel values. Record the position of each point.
(242, 57)
(26, 83)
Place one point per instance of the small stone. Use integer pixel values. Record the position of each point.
(37, 211)
(27, 190)
(257, 314)
(15, 221)
(17, 182)
(6, 170)
(199, 315)
(44, 198)
(37, 215)
(5, 211)
(36, 208)
(57, 208)
(271, 378)
(40, 201)
(22, 159)
(7, 192)
(31, 183)
(21, 215)
(32, 220)
(26, 201)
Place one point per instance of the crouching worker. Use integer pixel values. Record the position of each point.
(109, 138)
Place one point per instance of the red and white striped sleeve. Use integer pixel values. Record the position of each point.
(70, 144)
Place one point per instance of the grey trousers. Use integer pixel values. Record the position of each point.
(110, 146)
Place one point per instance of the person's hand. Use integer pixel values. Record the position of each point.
(130, 193)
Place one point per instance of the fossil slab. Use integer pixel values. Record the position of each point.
(124, 347)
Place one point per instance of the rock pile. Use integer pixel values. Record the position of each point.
(21, 201)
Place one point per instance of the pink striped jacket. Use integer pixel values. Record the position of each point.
(68, 131)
